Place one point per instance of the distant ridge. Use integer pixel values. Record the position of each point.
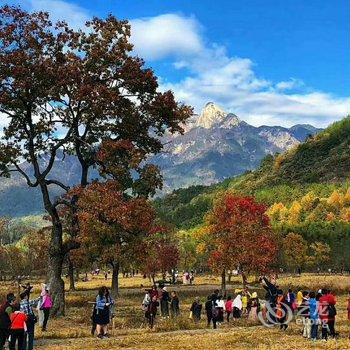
(217, 145)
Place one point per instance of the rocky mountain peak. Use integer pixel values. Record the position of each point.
(211, 114)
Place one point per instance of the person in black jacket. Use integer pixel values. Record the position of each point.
(164, 303)
(271, 289)
(5, 322)
(271, 298)
(174, 305)
(209, 310)
(196, 310)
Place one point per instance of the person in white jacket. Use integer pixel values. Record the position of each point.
(220, 306)
(237, 306)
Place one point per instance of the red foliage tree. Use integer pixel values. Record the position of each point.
(158, 253)
(240, 236)
(85, 84)
(112, 225)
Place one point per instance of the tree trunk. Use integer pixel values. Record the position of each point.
(56, 257)
(244, 280)
(71, 275)
(223, 282)
(115, 280)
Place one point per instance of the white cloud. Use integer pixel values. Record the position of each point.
(164, 35)
(211, 74)
(73, 14)
(290, 84)
(232, 83)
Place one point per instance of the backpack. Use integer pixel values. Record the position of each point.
(332, 311)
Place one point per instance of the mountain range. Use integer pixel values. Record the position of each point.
(215, 145)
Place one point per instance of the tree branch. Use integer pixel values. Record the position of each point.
(70, 245)
(58, 183)
(29, 182)
(61, 201)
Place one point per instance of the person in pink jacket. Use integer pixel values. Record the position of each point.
(46, 306)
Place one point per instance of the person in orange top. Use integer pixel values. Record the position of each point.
(18, 328)
(281, 311)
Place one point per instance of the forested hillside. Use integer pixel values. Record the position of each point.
(320, 165)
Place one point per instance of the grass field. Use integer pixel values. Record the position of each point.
(130, 332)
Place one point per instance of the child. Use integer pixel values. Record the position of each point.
(18, 328)
(254, 307)
(245, 295)
(299, 297)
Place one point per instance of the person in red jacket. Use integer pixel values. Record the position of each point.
(18, 328)
(327, 313)
(228, 307)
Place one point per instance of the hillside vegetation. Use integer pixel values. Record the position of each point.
(320, 165)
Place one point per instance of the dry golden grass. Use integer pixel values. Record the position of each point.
(73, 331)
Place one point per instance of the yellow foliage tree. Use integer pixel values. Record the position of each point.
(284, 213)
(321, 254)
(294, 213)
(307, 202)
(294, 250)
(274, 212)
(336, 200)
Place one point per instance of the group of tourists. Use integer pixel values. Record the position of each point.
(315, 311)
(18, 320)
(169, 304)
(217, 308)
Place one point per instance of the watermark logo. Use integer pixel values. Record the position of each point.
(271, 314)
(281, 313)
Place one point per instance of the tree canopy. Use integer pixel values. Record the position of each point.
(70, 90)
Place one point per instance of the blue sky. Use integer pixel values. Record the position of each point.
(269, 61)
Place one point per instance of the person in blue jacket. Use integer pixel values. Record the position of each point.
(104, 303)
(313, 305)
